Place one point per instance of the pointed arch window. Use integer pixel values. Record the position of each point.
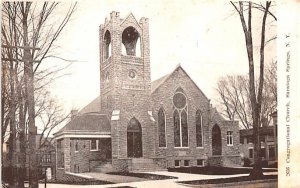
(180, 118)
(130, 40)
(184, 129)
(107, 42)
(161, 128)
(199, 130)
(177, 139)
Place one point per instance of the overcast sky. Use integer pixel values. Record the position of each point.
(205, 37)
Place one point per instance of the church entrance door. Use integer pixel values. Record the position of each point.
(216, 140)
(134, 139)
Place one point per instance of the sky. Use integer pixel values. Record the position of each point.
(205, 37)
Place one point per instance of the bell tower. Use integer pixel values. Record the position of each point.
(125, 86)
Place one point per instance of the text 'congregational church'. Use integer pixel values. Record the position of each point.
(139, 125)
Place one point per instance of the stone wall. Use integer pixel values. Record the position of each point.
(84, 156)
(163, 97)
(121, 164)
(79, 161)
(230, 160)
(120, 92)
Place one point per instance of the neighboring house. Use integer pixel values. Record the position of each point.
(136, 124)
(268, 141)
(46, 155)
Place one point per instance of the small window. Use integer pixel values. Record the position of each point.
(94, 145)
(272, 152)
(76, 168)
(177, 163)
(262, 138)
(200, 162)
(61, 162)
(270, 138)
(229, 138)
(186, 162)
(251, 153)
(249, 139)
(76, 146)
(43, 158)
(59, 143)
(48, 158)
(241, 140)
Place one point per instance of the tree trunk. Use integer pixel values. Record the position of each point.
(256, 172)
(22, 172)
(12, 138)
(255, 101)
(29, 89)
(32, 130)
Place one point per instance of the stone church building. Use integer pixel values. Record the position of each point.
(139, 125)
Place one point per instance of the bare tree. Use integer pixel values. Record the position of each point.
(50, 114)
(255, 95)
(235, 99)
(29, 32)
(234, 94)
(269, 102)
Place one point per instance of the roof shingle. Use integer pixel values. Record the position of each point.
(93, 122)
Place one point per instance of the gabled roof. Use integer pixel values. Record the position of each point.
(157, 83)
(94, 106)
(90, 122)
(215, 114)
(131, 17)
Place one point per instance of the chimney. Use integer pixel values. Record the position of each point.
(73, 113)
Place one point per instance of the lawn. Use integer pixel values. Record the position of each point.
(227, 180)
(76, 180)
(212, 170)
(143, 175)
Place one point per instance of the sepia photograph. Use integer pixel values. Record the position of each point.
(135, 94)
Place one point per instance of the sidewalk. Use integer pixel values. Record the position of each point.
(142, 183)
(113, 178)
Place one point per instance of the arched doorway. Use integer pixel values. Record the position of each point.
(216, 140)
(134, 139)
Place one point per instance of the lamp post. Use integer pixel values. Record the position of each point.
(45, 176)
